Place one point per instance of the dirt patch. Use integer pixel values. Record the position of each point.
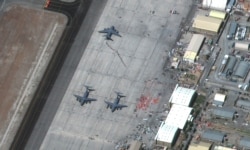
(24, 37)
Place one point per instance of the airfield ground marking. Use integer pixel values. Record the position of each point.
(27, 86)
(116, 51)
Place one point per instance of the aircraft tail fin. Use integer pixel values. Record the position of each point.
(90, 88)
(120, 94)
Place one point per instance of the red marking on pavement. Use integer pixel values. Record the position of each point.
(47, 4)
(145, 102)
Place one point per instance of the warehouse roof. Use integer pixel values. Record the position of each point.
(242, 69)
(245, 142)
(217, 14)
(220, 97)
(199, 146)
(213, 135)
(194, 47)
(222, 148)
(182, 96)
(230, 64)
(196, 42)
(190, 56)
(224, 112)
(215, 4)
(166, 133)
(232, 29)
(178, 116)
(207, 23)
(243, 103)
(241, 46)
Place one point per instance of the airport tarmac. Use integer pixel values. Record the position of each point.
(132, 64)
(28, 39)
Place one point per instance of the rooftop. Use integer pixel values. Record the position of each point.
(207, 23)
(166, 133)
(217, 14)
(213, 135)
(182, 96)
(243, 103)
(219, 97)
(178, 116)
(200, 146)
(245, 142)
(224, 112)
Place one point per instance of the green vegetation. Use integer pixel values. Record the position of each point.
(190, 76)
(200, 99)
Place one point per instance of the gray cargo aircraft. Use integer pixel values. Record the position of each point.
(109, 32)
(115, 106)
(84, 99)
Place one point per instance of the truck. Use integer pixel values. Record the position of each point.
(230, 6)
(232, 30)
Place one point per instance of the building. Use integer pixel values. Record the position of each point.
(246, 6)
(245, 143)
(230, 6)
(223, 64)
(232, 30)
(215, 4)
(209, 25)
(219, 99)
(135, 145)
(242, 70)
(175, 63)
(200, 146)
(245, 104)
(243, 46)
(213, 135)
(166, 135)
(222, 148)
(217, 14)
(194, 47)
(224, 113)
(182, 96)
(190, 56)
(178, 116)
(228, 70)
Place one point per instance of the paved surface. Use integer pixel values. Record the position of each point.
(28, 42)
(80, 41)
(148, 31)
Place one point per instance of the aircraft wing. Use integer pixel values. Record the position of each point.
(90, 99)
(103, 31)
(78, 98)
(121, 106)
(116, 33)
(108, 103)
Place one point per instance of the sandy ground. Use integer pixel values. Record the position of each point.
(26, 35)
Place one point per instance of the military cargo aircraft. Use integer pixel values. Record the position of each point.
(85, 98)
(109, 32)
(115, 105)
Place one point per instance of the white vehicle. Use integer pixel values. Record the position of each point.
(241, 32)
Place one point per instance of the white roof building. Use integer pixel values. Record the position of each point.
(194, 47)
(182, 96)
(215, 4)
(178, 116)
(219, 99)
(166, 133)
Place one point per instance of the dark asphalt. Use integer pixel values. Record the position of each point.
(59, 73)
